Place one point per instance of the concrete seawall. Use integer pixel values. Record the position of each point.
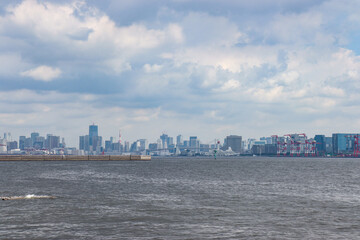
(74, 158)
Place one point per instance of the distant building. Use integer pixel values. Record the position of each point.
(12, 145)
(33, 137)
(329, 147)
(3, 145)
(153, 146)
(343, 143)
(320, 144)
(94, 140)
(39, 142)
(166, 141)
(204, 147)
(270, 149)
(108, 146)
(82, 143)
(234, 142)
(258, 149)
(126, 146)
(194, 144)
(52, 142)
(179, 140)
(22, 142)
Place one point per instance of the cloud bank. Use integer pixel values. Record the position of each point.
(205, 68)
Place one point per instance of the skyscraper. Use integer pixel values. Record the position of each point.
(164, 141)
(321, 144)
(34, 135)
(93, 132)
(179, 140)
(95, 141)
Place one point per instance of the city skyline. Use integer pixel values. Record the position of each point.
(207, 67)
(293, 145)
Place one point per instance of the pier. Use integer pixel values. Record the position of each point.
(74, 158)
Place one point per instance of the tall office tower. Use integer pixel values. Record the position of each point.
(144, 144)
(235, 142)
(82, 143)
(329, 147)
(33, 137)
(22, 142)
(321, 144)
(164, 141)
(179, 140)
(7, 137)
(95, 141)
(126, 146)
(170, 141)
(93, 132)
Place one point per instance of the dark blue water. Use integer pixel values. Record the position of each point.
(189, 198)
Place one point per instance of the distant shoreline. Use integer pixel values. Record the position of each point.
(74, 158)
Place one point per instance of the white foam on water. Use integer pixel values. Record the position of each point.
(29, 196)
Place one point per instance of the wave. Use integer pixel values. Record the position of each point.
(29, 196)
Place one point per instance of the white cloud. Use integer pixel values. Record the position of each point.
(188, 67)
(42, 73)
(152, 68)
(230, 85)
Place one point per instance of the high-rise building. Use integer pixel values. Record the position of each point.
(12, 145)
(164, 141)
(22, 142)
(234, 142)
(52, 142)
(144, 144)
(108, 146)
(126, 146)
(320, 144)
(82, 143)
(39, 142)
(329, 147)
(93, 132)
(179, 140)
(33, 137)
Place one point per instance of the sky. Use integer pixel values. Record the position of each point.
(204, 68)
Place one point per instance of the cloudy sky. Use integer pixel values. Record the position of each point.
(207, 68)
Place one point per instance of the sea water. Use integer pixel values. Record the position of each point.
(182, 198)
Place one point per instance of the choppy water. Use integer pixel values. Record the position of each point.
(189, 198)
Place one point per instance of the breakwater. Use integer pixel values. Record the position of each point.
(74, 158)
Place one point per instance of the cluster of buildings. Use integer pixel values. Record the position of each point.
(34, 144)
(339, 144)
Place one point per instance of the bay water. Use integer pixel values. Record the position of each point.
(182, 198)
